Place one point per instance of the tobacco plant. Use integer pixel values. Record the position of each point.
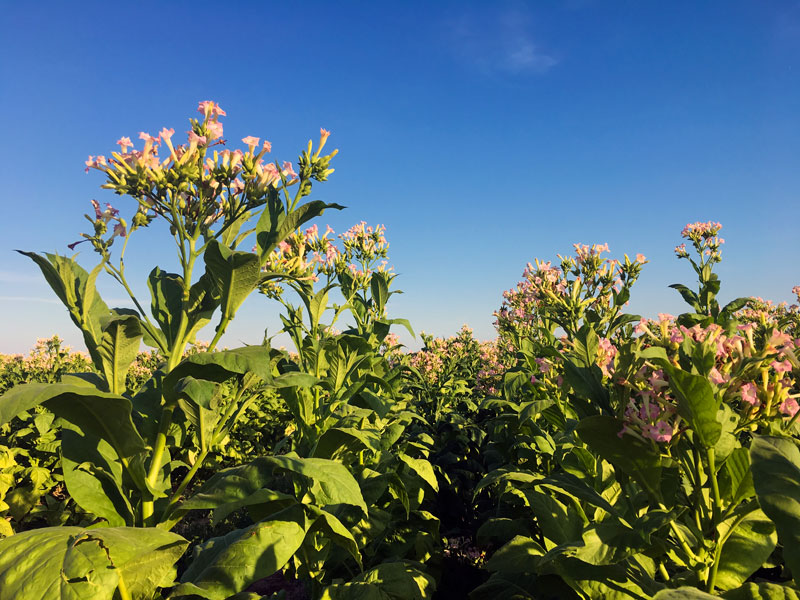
(129, 458)
(637, 463)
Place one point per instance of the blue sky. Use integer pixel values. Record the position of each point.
(481, 134)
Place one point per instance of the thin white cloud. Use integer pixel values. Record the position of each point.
(501, 42)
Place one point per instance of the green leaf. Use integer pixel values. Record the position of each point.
(688, 295)
(235, 275)
(229, 564)
(93, 477)
(776, 477)
(333, 483)
(73, 563)
(399, 580)
(763, 591)
(333, 529)
(634, 456)
(105, 415)
(520, 555)
(219, 366)
(75, 288)
(274, 225)
(422, 468)
(379, 286)
(119, 345)
(345, 438)
(746, 550)
(166, 292)
(697, 404)
(735, 478)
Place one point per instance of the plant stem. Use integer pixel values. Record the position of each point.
(712, 475)
(185, 481)
(223, 324)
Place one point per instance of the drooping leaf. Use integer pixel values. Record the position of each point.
(166, 292)
(235, 274)
(274, 225)
(219, 366)
(76, 290)
(776, 477)
(105, 415)
(226, 565)
(93, 476)
(746, 550)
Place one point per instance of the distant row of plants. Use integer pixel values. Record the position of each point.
(585, 453)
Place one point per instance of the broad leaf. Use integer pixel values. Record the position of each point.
(746, 550)
(119, 345)
(229, 564)
(73, 563)
(697, 404)
(776, 477)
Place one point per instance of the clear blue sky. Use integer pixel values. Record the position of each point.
(481, 134)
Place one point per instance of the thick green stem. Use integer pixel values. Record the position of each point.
(712, 475)
(176, 496)
(682, 542)
(223, 324)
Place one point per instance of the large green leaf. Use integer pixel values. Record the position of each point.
(746, 550)
(274, 225)
(634, 456)
(520, 555)
(776, 477)
(333, 483)
(105, 415)
(388, 581)
(422, 468)
(166, 292)
(229, 564)
(697, 404)
(219, 366)
(119, 345)
(73, 563)
(76, 290)
(235, 275)
(93, 477)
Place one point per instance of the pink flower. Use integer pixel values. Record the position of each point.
(789, 407)
(749, 393)
(95, 162)
(197, 140)
(660, 432)
(124, 143)
(640, 258)
(214, 129)
(781, 367)
(324, 133)
(288, 170)
(165, 134)
(210, 109)
(716, 377)
(147, 137)
(251, 141)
